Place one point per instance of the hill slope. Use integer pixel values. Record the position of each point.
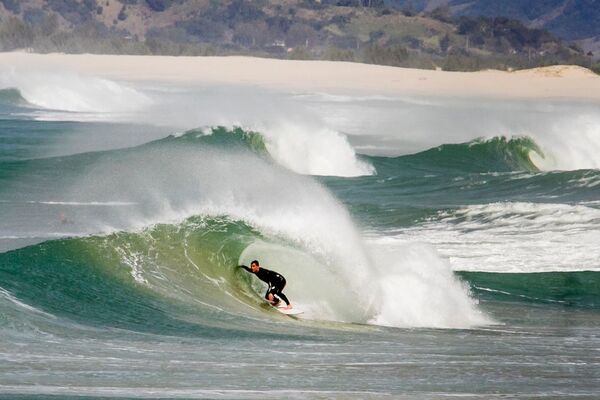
(569, 19)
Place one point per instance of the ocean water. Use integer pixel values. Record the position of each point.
(439, 247)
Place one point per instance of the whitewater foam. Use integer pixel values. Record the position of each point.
(515, 237)
(316, 151)
(418, 289)
(571, 142)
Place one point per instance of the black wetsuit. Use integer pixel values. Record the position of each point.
(275, 281)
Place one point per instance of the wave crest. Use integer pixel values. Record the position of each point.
(305, 152)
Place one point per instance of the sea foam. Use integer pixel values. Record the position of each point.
(514, 237)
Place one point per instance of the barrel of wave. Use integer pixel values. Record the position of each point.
(409, 285)
(317, 287)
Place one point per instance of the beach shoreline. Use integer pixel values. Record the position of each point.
(556, 82)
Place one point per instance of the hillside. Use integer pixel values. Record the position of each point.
(568, 19)
(368, 31)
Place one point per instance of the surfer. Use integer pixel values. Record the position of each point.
(275, 281)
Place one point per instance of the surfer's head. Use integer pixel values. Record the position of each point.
(254, 266)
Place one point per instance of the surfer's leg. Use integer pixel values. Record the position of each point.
(283, 297)
(277, 292)
(269, 296)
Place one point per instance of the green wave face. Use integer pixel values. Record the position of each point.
(221, 137)
(570, 289)
(498, 154)
(169, 279)
(175, 279)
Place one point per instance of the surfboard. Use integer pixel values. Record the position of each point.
(291, 311)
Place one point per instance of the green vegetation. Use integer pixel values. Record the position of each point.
(353, 30)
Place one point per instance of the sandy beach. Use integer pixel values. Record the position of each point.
(570, 82)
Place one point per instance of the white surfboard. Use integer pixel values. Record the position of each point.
(291, 311)
(281, 308)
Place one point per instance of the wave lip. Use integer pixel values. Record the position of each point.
(315, 152)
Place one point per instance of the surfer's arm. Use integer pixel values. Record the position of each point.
(246, 268)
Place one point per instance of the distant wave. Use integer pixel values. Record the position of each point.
(305, 152)
(71, 92)
(499, 154)
(569, 289)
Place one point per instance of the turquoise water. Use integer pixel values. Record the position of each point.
(461, 262)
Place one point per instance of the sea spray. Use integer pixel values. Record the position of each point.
(292, 135)
(75, 93)
(417, 288)
(572, 142)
